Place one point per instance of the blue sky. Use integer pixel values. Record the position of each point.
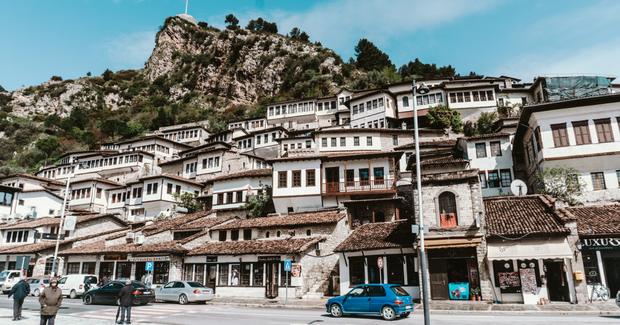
(522, 38)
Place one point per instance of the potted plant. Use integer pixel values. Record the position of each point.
(475, 294)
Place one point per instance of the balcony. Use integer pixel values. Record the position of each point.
(376, 186)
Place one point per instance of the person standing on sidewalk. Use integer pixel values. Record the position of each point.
(126, 301)
(20, 291)
(50, 300)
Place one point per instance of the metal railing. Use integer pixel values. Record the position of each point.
(359, 186)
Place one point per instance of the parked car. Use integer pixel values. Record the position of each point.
(618, 298)
(184, 292)
(8, 279)
(73, 285)
(108, 294)
(37, 285)
(387, 300)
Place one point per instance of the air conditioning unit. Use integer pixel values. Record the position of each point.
(130, 235)
(139, 239)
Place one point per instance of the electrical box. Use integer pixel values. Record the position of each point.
(578, 275)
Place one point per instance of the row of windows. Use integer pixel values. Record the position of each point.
(182, 135)
(328, 105)
(478, 96)
(240, 274)
(425, 99)
(152, 188)
(20, 236)
(293, 108)
(495, 178)
(481, 149)
(582, 133)
(296, 175)
(210, 162)
(248, 143)
(377, 123)
(299, 145)
(151, 148)
(254, 124)
(365, 270)
(343, 141)
(6, 198)
(376, 103)
(109, 161)
(598, 180)
(231, 197)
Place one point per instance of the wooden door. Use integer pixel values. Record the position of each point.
(439, 279)
(332, 179)
(211, 276)
(271, 285)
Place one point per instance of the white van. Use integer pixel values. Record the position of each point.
(8, 279)
(72, 285)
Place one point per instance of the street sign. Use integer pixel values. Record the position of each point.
(22, 262)
(149, 266)
(415, 229)
(380, 262)
(52, 236)
(287, 266)
(70, 222)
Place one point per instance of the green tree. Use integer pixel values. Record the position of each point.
(424, 70)
(52, 121)
(89, 139)
(107, 74)
(231, 21)
(260, 205)
(187, 200)
(562, 183)
(112, 128)
(442, 116)
(88, 74)
(262, 25)
(48, 145)
(369, 57)
(2, 89)
(392, 75)
(484, 125)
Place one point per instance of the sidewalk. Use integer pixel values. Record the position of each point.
(33, 318)
(443, 307)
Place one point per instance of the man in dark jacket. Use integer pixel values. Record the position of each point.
(126, 301)
(20, 291)
(50, 300)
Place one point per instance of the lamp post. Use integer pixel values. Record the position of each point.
(62, 218)
(423, 90)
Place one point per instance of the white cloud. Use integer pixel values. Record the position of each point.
(134, 48)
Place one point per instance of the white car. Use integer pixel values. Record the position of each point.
(184, 292)
(37, 285)
(8, 279)
(73, 285)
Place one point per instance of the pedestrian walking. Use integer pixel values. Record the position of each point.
(50, 300)
(125, 302)
(20, 291)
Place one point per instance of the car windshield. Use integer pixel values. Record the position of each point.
(138, 285)
(195, 285)
(399, 291)
(3, 275)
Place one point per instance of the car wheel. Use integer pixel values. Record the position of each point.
(72, 294)
(405, 315)
(36, 292)
(88, 299)
(335, 310)
(118, 302)
(388, 313)
(183, 299)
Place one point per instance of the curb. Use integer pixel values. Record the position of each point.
(266, 306)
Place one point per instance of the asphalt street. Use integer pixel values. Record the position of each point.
(170, 313)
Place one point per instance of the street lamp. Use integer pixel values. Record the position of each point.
(62, 215)
(423, 90)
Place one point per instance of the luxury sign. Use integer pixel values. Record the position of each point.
(601, 243)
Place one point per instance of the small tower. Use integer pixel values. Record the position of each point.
(186, 16)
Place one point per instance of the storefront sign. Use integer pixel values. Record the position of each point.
(296, 280)
(150, 259)
(601, 243)
(268, 258)
(509, 279)
(211, 259)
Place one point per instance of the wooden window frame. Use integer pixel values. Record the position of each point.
(499, 144)
(498, 179)
(501, 178)
(485, 149)
(597, 185)
(285, 179)
(537, 137)
(580, 136)
(602, 123)
(558, 140)
(482, 178)
(310, 177)
(293, 174)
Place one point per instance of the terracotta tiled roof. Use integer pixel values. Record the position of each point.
(248, 173)
(30, 224)
(43, 179)
(486, 136)
(46, 191)
(277, 246)
(284, 221)
(99, 248)
(597, 220)
(386, 199)
(96, 179)
(379, 235)
(170, 176)
(164, 225)
(432, 144)
(203, 223)
(523, 215)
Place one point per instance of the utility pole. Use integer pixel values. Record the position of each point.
(62, 219)
(427, 319)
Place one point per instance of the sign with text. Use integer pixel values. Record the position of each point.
(601, 243)
(150, 259)
(211, 259)
(268, 258)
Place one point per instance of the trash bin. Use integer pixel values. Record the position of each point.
(459, 290)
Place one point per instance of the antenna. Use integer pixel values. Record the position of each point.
(518, 188)
(186, 7)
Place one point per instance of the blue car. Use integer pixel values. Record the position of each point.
(387, 300)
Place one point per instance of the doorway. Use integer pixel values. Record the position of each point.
(211, 276)
(105, 269)
(271, 285)
(438, 271)
(557, 285)
(332, 179)
(612, 273)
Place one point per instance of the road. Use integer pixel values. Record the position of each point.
(169, 313)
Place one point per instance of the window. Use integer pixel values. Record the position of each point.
(324, 142)
(356, 270)
(483, 96)
(296, 178)
(603, 130)
(432, 97)
(362, 108)
(169, 189)
(476, 96)
(149, 189)
(355, 111)
(560, 137)
(506, 177)
(483, 179)
(234, 235)
(481, 150)
(217, 161)
(378, 291)
(222, 235)
(459, 97)
(370, 125)
(537, 138)
(617, 176)
(374, 104)
(178, 188)
(239, 196)
(310, 180)
(319, 106)
(364, 177)
(405, 101)
(247, 234)
(369, 141)
(278, 234)
(490, 94)
(582, 132)
(447, 210)
(343, 142)
(282, 179)
(493, 179)
(99, 191)
(468, 97)
(395, 140)
(333, 142)
(223, 272)
(496, 149)
(350, 177)
(356, 141)
(220, 198)
(308, 144)
(379, 177)
(598, 181)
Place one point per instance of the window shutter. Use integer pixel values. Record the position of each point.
(578, 134)
(609, 136)
(556, 138)
(563, 137)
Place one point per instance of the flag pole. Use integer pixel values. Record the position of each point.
(186, 7)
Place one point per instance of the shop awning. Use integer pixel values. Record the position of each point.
(529, 249)
(451, 242)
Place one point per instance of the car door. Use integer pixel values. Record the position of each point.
(62, 284)
(376, 298)
(356, 300)
(109, 294)
(178, 289)
(165, 292)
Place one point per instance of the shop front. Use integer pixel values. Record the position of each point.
(601, 262)
(453, 273)
(528, 270)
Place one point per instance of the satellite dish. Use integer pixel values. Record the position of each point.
(518, 187)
